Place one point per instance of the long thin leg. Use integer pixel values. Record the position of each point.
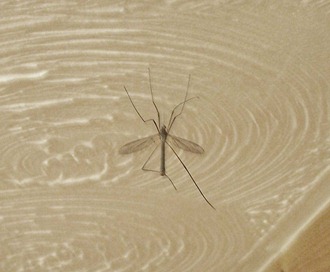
(143, 167)
(151, 170)
(170, 181)
(183, 104)
(152, 98)
(130, 99)
(170, 122)
(208, 202)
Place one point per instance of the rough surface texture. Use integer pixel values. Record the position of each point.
(70, 202)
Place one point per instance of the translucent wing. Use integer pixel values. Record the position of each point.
(139, 144)
(185, 144)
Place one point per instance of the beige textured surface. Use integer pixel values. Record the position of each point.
(310, 250)
(70, 202)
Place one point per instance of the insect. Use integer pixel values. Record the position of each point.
(164, 138)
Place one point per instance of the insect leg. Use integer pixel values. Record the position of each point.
(208, 202)
(148, 120)
(152, 98)
(143, 167)
(172, 119)
(171, 181)
(183, 104)
(152, 170)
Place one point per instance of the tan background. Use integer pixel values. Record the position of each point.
(70, 202)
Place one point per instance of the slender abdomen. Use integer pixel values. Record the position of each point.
(162, 159)
(163, 135)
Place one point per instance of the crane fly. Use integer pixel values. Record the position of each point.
(164, 138)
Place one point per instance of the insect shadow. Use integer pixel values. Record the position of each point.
(164, 138)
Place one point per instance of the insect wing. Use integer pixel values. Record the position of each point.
(185, 144)
(138, 145)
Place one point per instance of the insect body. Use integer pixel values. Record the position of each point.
(164, 138)
(163, 135)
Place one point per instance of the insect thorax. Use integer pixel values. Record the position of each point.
(163, 133)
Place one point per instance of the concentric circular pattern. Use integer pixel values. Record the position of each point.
(260, 72)
(100, 230)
